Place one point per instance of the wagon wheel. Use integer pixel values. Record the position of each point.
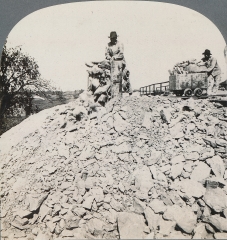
(187, 92)
(198, 92)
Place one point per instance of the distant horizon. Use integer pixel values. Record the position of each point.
(155, 36)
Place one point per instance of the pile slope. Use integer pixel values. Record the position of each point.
(141, 167)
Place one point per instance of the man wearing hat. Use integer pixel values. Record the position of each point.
(115, 54)
(213, 70)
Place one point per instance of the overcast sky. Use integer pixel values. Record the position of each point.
(155, 37)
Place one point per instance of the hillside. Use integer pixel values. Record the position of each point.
(140, 168)
(39, 104)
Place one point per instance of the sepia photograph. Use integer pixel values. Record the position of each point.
(113, 122)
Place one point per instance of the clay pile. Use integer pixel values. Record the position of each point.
(140, 168)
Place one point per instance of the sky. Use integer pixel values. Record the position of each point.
(155, 36)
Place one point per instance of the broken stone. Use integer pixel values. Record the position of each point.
(210, 141)
(138, 206)
(122, 148)
(152, 218)
(143, 180)
(176, 198)
(176, 170)
(166, 227)
(51, 226)
(73, 223)
(98, 194)
(186, 224)
(158, 206)
(67, 233)
(216, 199)
(35, 203)
(200, 231)
(130, 225)
(217, 165)
(218, 222)
(192, 188)
(209, 228)
(116, 205)
(154, 158)
(19, 184)
(120, 125)
(178, 159)
(87, 204)
(166, 115)
(21, 221)
(147, 120)
(95, 226)
(191, 156)
(149, 236)
(18, 225)
(200, 172)
(79, 211)
(220, 235)
(35, 231)
(23, 213)
(42, 236)
(171, 211)
(44, 210)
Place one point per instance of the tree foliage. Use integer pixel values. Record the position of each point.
(19, 79)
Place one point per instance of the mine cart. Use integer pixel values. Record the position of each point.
(188, 84)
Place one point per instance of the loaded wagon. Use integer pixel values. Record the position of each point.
(188, 84)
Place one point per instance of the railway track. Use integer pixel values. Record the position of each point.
(218, 98)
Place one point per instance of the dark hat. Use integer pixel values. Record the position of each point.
(207, 52)
(113, 35)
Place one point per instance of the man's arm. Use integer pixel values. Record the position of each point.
(107, 53)
(202, 62)
(212, 64)
(120, 53)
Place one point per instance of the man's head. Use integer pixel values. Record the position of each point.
(207, 54)
(113, 37)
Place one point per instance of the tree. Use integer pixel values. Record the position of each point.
(19, 79)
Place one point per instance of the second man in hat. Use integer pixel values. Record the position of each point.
(213, 70)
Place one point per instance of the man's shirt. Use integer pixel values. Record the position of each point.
(213, 67)
(115, 50)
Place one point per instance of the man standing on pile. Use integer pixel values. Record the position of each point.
(115, 54)
(213, 70)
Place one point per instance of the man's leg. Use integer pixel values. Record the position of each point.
(114, 79)
(120, 74)
(210, 81)
(129, 87)
(115, 90)
(217, 80)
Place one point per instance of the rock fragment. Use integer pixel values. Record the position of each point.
(130, 225)
(216, 199)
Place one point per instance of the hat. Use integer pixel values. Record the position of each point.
(113, 35)
(207, 52)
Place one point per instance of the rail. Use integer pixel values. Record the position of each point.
(155, 89)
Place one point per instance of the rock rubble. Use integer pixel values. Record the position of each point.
(142, 167)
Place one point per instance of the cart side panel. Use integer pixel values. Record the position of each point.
(185, 81)
(199, 80)
(172, 82)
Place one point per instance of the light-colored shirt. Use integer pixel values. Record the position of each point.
(212, 66)
(115, 50)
